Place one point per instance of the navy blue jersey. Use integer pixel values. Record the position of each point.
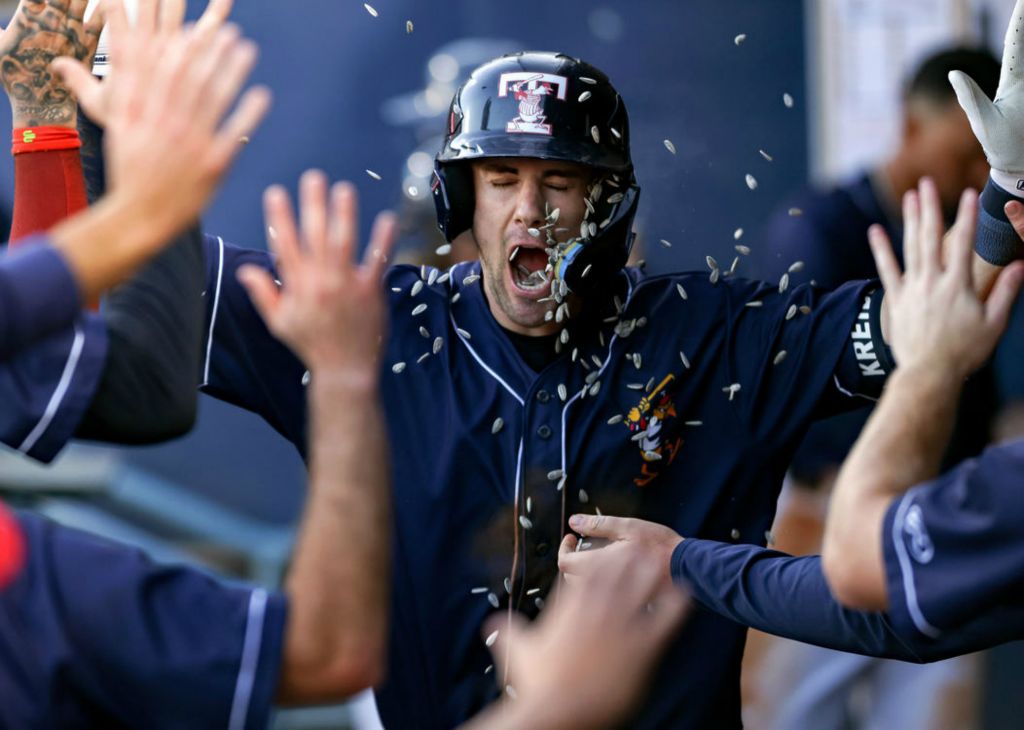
(685, 411)
(92, 634)
(46, 383)
(789, 597)
(954, 547)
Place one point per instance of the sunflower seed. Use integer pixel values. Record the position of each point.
(491, 639)
(525, 522)
(780, 357)
(529, 504)
(424, 332)
(587, 80)
(417, 287)
(805, 309)
(584, 497)
(370, 9)
(751, 182)
(637, 360)
(796, 266)
(490, 668)
(563, 392)
(306, 378)
(795, 212)
(615, 198)
(422, 357)
(694, 423)
(686, 363)
(593, 229)
(533, 591)
(456, 296)
(398, 367)
(561, 483)
(549, 315)
(535, 232)
(463, 333)
(508, 586)
(395, 289)
(742, 250)
(737, 234)
(635, 386)
(615, 133)
(408, 26)
(371, 173)
(735, 534)
(681, 290)
(481, 589)
(595, 388)
(493, 600)
(584, 230)
(443, 250)
(669, 146)
(766, 156)
(471, 279)
(754, 304)
(419, 309)
(732, 269)
(564, 337)
(787, 100)
(584, 96)
(712, 264)
(555, 475)
(738, 40)
(432, 277)
(615, 420)
(732, 390)
(596, 134)
(652, 456)
(511, 692)
(605, 222)
(715, 274)
(586, 271)
(783, 283)
(791, 312)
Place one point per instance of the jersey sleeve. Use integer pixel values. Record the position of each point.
(243, 363)
(47, 388)
(800, 355)
(953, 547)
(152, 646)
(789, 597)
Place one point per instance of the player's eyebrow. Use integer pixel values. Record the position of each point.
(500, 168)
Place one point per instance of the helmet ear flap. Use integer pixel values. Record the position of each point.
(454, 198)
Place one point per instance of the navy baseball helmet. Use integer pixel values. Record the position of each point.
(546, 106)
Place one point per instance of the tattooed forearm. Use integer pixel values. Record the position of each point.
(40, 32)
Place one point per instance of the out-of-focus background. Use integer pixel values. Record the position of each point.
(789, 92)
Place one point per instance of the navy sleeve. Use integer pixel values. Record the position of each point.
(112, 638)
(954, 548)
(243, 363)
(787, 351)
(38, 296)
(789, 597)
(48, 387)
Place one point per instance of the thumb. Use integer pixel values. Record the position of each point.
(261, 289)
(81, 82)
(980, 110)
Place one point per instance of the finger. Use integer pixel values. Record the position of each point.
(612, 528)
(980, 110)
(146, 16)
(382, 241)
(911, 232)
(931, 226)
(219, 84)
(117, 22)
(344, 220)
(568, 545)
(172, 15)
(1015, 212)
(283, 236)
(961, 243)
(217, 11)
(262, 290)
(1013, 45)
(885, 260)
(313, 212)
(1004, 294)
(240, 126)
(86, 88)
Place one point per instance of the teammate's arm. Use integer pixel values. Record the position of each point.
(941, 332)
(332, 314)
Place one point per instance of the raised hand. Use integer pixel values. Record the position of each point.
(999, 125)
(935, 318)
(39, 32)
(329, 310)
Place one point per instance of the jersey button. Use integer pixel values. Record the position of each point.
(543, 396)
(544, 432)
(543, 549)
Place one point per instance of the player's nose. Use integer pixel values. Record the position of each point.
(530, 204)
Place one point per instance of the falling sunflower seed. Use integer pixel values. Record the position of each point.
(306, 378)
(493, 600)
(491, 639)
(370, 9)
(766, 156)
(795, 212)
(417, 287)
(456, 296)
(371, 173)
(783, 283)
(796, 266)
(615, 420)
(525, 522)
(563, 392)
(508, 585)
(712, 264)
(737, 234)
(496, 426)
(584, 497)
(408, 26)
(686, 362)
(742, 250)
(535, 232)
(738, 40)
(669, 146)
(432, 277)
(419, 309)
(584, 96)
(533, 591)
(805, 309)
(732, 390)
(751, 182)
(791, 312)
(555, 474)
(788, 101)
(480, 589)
(779, 357)
(471, 279)
(596, 134)
(694, 423)
(463, 333)
(422, 357)
(666, 244)
(735, 534)
(443, 249)
(715, 274)
(398, 367)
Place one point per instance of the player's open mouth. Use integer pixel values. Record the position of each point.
(527, 265)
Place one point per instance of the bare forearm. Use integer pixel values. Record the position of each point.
(902, 445)
(339, 582)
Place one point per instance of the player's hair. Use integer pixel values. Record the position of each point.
(930, 82)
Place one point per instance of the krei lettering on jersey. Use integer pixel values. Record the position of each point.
(863, 343)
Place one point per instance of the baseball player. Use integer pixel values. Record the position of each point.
(547, 379)
(941, 333)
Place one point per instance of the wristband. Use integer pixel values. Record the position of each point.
(996, 240)
(44, 139)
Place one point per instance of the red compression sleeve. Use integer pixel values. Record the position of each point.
(49, 185)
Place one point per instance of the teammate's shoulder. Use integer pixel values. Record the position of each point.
(697, 285)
